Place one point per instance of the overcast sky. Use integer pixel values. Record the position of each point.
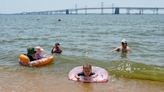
(16, 6)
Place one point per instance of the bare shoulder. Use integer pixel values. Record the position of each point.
(129, 49)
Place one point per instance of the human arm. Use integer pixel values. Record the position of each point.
(52, 50)
(95, 75)
(116, 49)
(77, 77)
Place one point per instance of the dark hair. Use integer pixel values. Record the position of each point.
(124, 43)
(57, 43)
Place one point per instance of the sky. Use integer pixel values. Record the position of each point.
(17, 6)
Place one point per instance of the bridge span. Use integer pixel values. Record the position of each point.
(102, 10)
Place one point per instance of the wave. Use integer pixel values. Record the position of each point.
(129, 69)
(122, 68)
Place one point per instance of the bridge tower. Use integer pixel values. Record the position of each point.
(102, 6)
(117, 10)
(67, 11)
(76, 11)
(85, 9)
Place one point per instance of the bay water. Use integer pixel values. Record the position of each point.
(84, 39)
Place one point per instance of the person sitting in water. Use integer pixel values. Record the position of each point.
(31, 53)
(124, 48)
(56, 49)
(87, 72)
(35, 53)
(38, 54)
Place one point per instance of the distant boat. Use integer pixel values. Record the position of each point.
(59, 19)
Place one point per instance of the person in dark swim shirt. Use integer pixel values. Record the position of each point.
(31, 53)
(86, 73)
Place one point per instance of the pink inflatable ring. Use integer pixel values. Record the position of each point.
(101, 75)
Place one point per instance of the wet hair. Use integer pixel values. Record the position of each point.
(87, 66)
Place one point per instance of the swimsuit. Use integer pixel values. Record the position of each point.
(82, 74)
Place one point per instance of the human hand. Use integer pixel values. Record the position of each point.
(77, 77)
(94, 76)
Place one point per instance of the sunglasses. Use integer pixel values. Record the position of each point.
(123, 43)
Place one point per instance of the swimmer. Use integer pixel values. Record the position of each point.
(124, 48)
(86, 73)
(56, 49)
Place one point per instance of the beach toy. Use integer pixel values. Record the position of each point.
(102, 75)
(24, 60)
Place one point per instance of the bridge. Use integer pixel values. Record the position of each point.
(101, 10)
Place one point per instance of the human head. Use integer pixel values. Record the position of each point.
(57, 44)
(39, 49)
(31, 51)
(87, 69)
(123, 42)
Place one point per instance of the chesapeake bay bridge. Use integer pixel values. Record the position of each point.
(101, 10)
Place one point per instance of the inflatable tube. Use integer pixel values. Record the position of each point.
(101, 75)
(24, 60)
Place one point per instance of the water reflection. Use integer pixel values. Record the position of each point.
(124, 55)
(86, 87)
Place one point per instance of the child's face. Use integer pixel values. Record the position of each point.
(87, 71)
(38, 51)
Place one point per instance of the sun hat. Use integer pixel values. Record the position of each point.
(38, 48)
(123, 41)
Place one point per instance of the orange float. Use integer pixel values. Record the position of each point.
(24, 60)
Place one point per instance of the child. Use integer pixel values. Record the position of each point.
(31, 53)
(87, 72)
(56, 49)
(38, 54)
(35, 53)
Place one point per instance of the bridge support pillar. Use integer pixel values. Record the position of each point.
(67, 11)
(141, 11)
(156, 11)
(117, 10)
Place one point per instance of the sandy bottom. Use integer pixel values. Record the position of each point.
(42, 82)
